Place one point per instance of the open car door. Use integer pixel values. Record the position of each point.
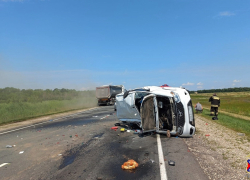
(149, 113)
(125, 108)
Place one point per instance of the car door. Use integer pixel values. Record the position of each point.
(149, 113)
(125, 107)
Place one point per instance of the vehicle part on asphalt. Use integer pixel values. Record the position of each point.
(122, 129)
(9, 146)
(171, 163)
(114, 128)
(21, 152)
(130, 164)
(4, 164)
(117, 124)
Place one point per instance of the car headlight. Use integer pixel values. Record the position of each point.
(191, 113)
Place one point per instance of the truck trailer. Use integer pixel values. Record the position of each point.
(106, 94)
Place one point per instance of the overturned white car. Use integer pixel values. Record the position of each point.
(158, 109)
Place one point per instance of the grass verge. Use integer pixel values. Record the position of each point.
(236, 124)
(15, 112)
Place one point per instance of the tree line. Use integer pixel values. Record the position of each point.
(10, 94)
(236, 89)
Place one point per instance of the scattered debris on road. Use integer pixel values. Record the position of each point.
(117, 124)
(130, 164)
(171, 163)
(4, 164)
(9, 146)
(122, 129)
(152, 160)
(21, 152)
(115, 128)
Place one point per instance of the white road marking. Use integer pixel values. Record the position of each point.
(64, 117)
(163, 171)
(4, 164)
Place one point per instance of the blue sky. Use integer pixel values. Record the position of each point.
(77, 44)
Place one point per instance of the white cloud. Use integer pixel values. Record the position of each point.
(199, 84)
(236, 81)
(233, 84)
(188, 84)
(226, 13)
(200, 87)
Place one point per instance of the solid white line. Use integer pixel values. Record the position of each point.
(64, 117)
(3, 164)
(163, 171)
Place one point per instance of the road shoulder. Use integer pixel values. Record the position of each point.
(221, 152)
(32, 121)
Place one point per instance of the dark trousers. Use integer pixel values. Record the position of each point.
(214, 110)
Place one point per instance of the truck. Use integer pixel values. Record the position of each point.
(106, 94)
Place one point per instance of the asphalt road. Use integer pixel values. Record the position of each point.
(82, 146)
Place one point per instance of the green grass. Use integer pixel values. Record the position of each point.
(12, 112)
(234, 102)
(236, 124)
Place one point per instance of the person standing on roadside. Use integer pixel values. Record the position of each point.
(215, 104)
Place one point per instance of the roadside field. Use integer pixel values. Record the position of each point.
(236, 124)
(233, 102)
(19, 111)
